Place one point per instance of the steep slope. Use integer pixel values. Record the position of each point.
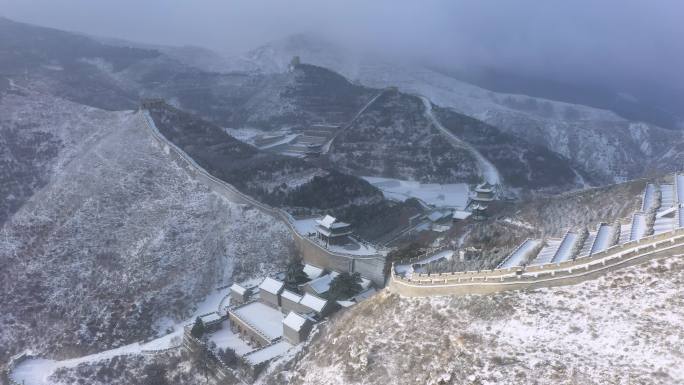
(395, 139)
(299, 186)
(68, 65)
(29, 154)
(622, 328)
(113, 76)
(554, 215)
(111, 236)
(400, 136)
(275, 179)
(520, 163)
(295, 100)
(601, 145)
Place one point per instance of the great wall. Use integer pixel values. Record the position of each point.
(577, 257)
(574, 258)
(655, 231)
(369, 266)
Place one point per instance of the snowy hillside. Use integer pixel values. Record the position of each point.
(600, 144)
(112, 236)
(622, 328)
(289, 104)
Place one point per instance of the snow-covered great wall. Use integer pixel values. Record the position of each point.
(549, 275)
(533, 265)
(369, 266)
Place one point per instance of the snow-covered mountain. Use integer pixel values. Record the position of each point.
(291, 103)
(623, 328)
(104, 240)
(105, 236)
(600, 144)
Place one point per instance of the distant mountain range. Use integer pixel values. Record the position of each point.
(600, 144)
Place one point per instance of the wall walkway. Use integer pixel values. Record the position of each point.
(547, 275)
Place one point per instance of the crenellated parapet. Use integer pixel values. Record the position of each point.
(548, 275)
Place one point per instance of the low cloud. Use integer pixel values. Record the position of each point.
(609, 41)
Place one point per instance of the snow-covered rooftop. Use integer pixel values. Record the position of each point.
(314, 303)
(364, 295)
(484, 187)
(338, 225)
(264, 318)
(238, 289)
(346, 303)
(294, 321)
(437, 215)
(460, 214)
(326, 221)
(294, 297)
(322, 284)
(312, 272)
(271, 285)
(479, 206)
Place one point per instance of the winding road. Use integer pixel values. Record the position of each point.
(487, 170)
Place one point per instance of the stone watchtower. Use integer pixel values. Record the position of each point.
(294, 63)
(484, 193)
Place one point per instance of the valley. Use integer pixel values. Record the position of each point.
(307, 215)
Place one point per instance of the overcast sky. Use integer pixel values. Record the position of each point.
(590, 39)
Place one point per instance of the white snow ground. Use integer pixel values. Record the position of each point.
(37, 371)
(624, 328)
(269, 352)
(439, 195)
(306, 226)
(225, 338)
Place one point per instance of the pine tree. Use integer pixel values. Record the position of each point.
(295, 274)
(344, 286)
(197, 330)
